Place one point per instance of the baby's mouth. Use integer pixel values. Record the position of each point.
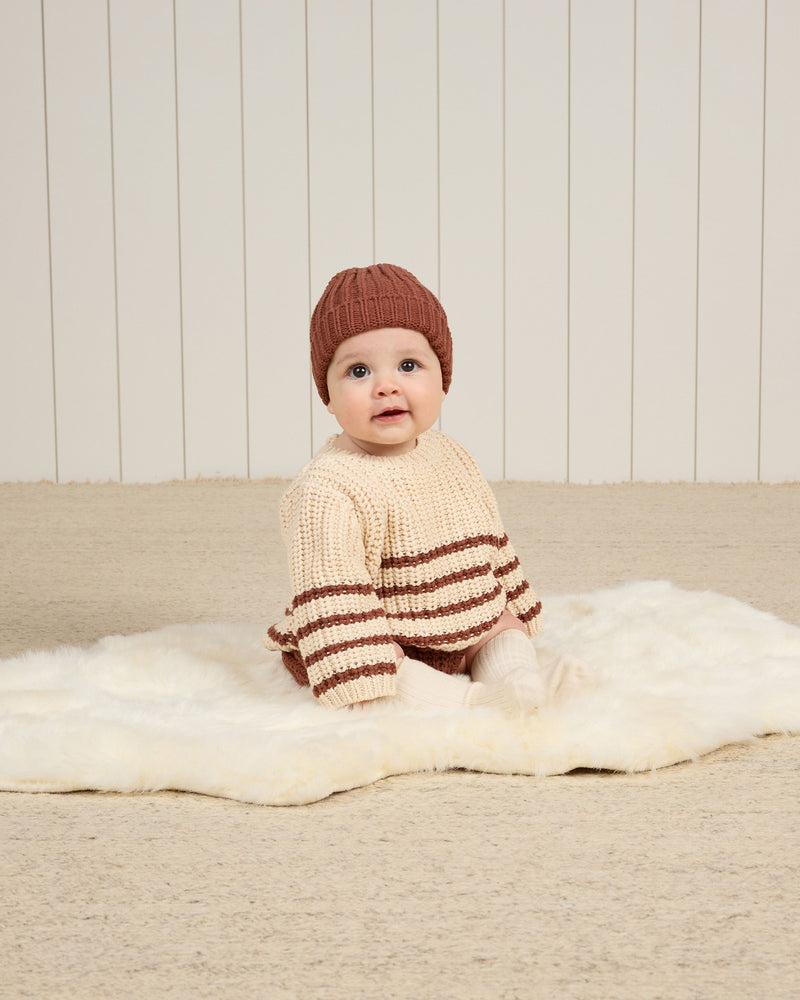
(392, 413)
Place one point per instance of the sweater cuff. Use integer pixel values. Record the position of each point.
(360, 689)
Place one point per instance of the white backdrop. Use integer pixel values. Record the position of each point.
(603, 193)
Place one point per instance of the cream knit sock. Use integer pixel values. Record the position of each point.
(566, 674)
(509, 660)
(421, 686)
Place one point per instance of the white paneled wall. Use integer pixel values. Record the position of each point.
(276, 234)
(602, 192)
(82, 272)
(729, 239)
(780, 343)
(537, 104)
(151, 388)
(665, 240)
(27, 420)
(601, 238)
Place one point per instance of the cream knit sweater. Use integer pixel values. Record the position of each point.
(408, 548)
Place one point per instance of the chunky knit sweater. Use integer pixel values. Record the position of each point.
(408, 548)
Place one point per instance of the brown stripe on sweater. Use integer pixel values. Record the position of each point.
(334, 590)
(289, 639)
(508, 568)
(518, 591)
(353, 674)
(429, 586)
(340, 647)
(464, 635)
(397, 562)
(532, 613)
(332, 621)
(279, 637)
(448, 609)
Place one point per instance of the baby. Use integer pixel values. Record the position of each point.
(402, 575)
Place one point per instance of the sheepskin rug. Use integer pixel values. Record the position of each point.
(204, 708)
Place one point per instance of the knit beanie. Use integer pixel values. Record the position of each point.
(374, 298)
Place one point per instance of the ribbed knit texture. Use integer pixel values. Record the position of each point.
(510, 659)
(565, 675)
(377, 297)
(420, 686)
(408, 548)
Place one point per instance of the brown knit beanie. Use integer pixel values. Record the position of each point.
(374, 298)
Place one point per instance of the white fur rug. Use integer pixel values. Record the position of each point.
(204, 708)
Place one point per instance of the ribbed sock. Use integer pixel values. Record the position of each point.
(421, 686)
(509, 661)
(566, 675)
(496, 694)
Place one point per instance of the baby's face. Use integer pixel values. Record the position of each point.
(385, 389)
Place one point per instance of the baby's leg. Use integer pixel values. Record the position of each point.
(565, 674)
(506, 655)
(422, 686)
(509, 659)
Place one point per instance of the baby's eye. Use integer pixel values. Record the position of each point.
(358, 371)
(408, 366)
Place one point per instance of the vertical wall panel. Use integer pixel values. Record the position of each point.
(276, 199)
(536, 252)
(601, 240)
(405, 116)
(665, 270)
(340, 150)
(780, 392)
(146, 201)
(27, 438)
(82, 235)
(212, 238)
(731, 129)
(471, 200)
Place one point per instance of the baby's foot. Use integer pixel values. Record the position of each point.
(491, 695)
(567, 675)
(526, 689)
(520, 692)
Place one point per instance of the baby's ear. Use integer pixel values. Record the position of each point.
(329, 408)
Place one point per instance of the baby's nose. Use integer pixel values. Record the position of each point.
(386, 385)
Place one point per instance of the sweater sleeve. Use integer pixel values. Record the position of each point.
(521, 600)
(339, 627)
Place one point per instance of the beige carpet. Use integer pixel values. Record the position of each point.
(675, 883)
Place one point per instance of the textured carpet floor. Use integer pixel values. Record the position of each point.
(679, 883)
